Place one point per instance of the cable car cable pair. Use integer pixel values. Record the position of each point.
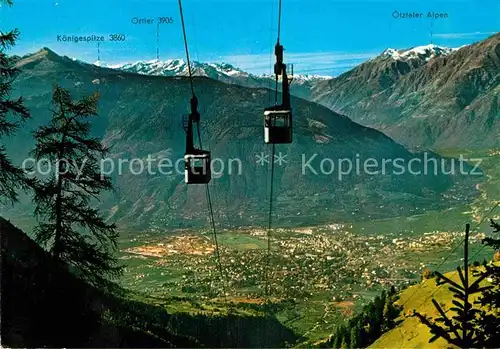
(277, 130)
(197, 162)
(278, 118)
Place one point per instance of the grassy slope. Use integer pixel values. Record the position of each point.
(411, 333)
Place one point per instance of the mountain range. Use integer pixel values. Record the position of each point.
(373, 77)
(428, 97)
(223, 72)
(140, 115)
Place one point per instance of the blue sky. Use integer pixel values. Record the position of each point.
(323, 37)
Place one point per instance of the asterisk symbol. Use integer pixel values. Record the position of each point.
(262, 159)
(280, 159)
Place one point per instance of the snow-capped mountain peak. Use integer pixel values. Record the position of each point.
(426, 52)
(156, 67)
(178, 67)
(223, 72)
(218, 71)
(227, 69)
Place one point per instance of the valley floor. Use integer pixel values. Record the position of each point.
(317, 275)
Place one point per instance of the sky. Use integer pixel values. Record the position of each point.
(322, 37)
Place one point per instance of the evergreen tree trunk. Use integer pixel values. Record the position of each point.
(58, 233)
(59, 228)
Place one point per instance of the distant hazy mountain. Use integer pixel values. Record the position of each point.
(140, 115)
(223, 72)
(427, 96)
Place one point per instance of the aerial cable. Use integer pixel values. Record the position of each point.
(269, 226)
(186, 48)
(279, 21)
(277, 44)
(194, 104)
(217, 250)
(271, 56)
(278, 70)
(214, 231)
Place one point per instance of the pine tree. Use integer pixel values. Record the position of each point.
(345, 343)
(488, 322)
(374, 318)
(355, 336)
(460, 329)
(12, 114)
(337, 339)
(68, 223)
(391, 311)
(387, 315)
(340, 339)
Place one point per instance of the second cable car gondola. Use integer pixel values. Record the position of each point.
(197, 162)
(278, 118)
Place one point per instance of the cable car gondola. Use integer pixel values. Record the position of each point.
(196, 161)
(278, 118)
(197, 164)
